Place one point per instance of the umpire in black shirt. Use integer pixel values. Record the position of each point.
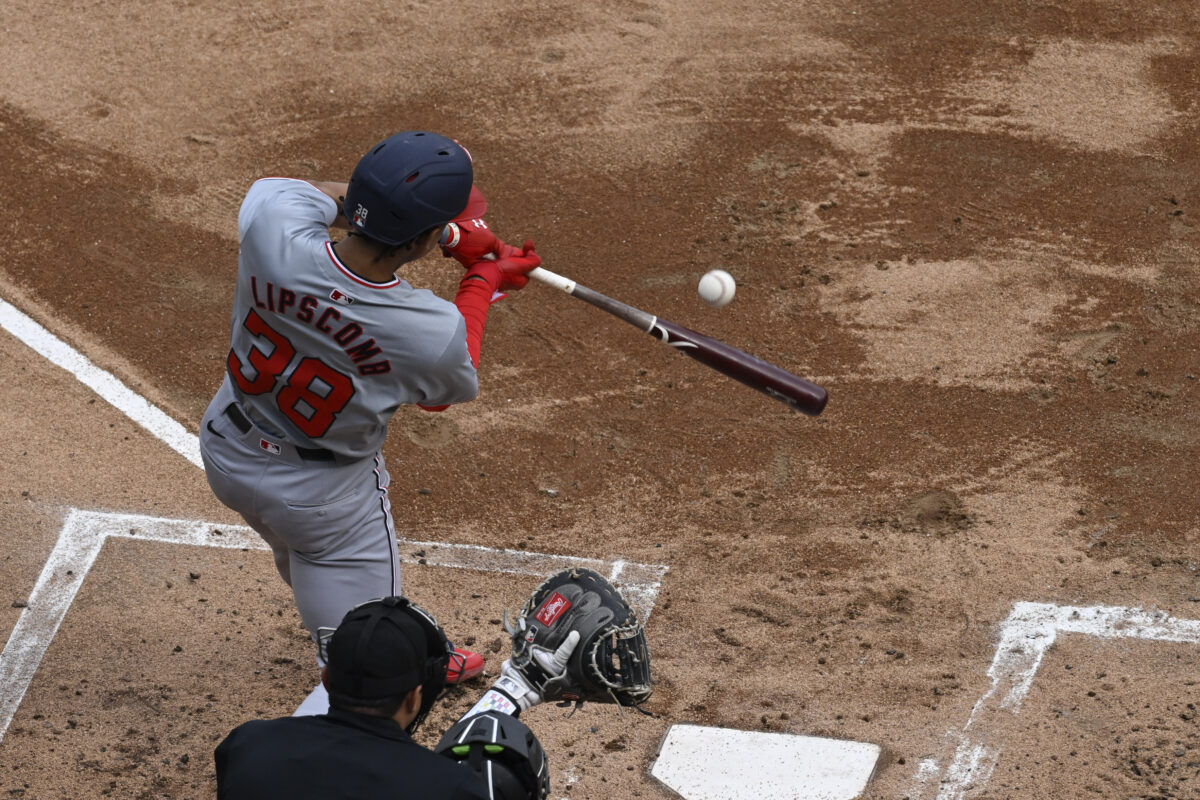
(386, 666)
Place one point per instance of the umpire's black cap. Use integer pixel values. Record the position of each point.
(379, 651)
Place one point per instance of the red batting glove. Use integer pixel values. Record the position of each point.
(515, 268)
(470, 240)
(508, 273)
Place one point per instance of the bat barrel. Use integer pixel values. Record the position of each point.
(789, 389)
(767, 378)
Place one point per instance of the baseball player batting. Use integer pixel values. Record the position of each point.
(327, 343)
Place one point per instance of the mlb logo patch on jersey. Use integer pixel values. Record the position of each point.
(270, 447)
(341, 297)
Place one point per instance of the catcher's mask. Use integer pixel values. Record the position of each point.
(503, 751)
(384, 649)
(407, 184)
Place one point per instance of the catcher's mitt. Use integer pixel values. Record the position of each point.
(611, 663)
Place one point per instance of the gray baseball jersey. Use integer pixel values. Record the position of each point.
(319, 361)
(318, 353)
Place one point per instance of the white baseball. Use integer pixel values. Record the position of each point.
(717, 287)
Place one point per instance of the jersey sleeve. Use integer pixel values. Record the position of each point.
(452, 378)
(293, 207)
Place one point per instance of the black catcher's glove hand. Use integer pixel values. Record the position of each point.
(611, 662)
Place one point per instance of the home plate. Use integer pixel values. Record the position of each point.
(702, 763)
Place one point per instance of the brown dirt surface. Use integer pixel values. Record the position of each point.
(971, 222)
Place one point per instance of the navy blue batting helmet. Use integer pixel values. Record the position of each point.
(407, 184)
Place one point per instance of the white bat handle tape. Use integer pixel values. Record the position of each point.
(553, 279)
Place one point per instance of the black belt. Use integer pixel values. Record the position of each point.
(240, 422)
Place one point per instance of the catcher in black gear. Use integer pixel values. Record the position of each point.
(575, 639)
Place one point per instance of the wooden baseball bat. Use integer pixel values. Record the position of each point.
(767, 378)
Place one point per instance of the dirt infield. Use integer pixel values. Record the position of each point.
(971, 222)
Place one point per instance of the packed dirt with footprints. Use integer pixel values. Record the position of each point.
(972, 223)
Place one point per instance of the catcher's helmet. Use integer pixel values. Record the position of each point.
(503, 751)
(384, 649)
(407, 184)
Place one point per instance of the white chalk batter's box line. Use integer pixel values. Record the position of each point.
(1025, 636)
(85, 532)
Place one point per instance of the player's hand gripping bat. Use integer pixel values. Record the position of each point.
(754, 372)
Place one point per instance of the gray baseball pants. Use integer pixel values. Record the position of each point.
(329, 524)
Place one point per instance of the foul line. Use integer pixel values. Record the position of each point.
(85, 532)
(1030, 630)
(105, 384)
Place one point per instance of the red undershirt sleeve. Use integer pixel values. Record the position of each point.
(473, 300)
